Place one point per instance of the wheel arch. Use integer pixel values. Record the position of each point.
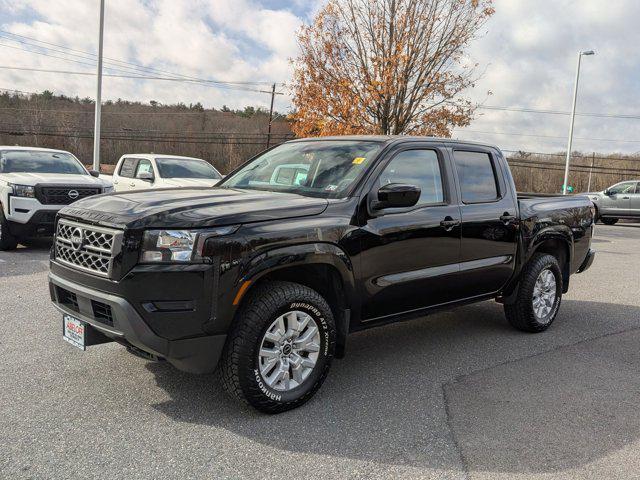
(323, 267)
(560, 247)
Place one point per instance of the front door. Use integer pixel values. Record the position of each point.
(618, 199)
(489, 221)
(144, 166)
(408, 253)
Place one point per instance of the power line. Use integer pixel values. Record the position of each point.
(142, 77)
(557, 112)
(633, 158)
(40, 110)
(578, 168)
(548, 136)
(134, 65)
(220, 141)
(78, 62)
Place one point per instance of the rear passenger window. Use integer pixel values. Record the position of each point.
(477, 176)
(128, 167)
(416, 167)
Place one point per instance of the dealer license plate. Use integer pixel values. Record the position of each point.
(73, 331)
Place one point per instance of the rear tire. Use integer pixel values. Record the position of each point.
(609, 221)
(274, 360)
(7, 241)
(539, 295)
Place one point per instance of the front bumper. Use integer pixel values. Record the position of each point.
(40, 223)
(22, 209)
(588, 260)
(117, 319)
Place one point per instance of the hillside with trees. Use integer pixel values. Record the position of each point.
(222, 136)
(228, 137)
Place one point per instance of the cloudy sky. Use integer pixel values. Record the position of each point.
(527, 52)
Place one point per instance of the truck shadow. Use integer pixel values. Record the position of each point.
(455, 391)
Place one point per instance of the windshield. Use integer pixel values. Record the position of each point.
(186, 168)
(315, 168)
(39, 161)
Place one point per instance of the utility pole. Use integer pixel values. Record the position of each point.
(96, 126)
(273, 95)
(593, 159)
(573, 116)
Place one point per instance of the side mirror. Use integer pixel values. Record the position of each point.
(146, 176)
(608, 192)
(94, 173)
(397, 195)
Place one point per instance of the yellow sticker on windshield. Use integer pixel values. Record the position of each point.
(358, 160)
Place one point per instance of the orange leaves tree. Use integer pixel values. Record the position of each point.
(386, 67)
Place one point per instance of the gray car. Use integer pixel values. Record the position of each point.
(621, 200)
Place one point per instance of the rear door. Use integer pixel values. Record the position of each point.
(634, 202)
(124, 176)
(409, 255)
(489, 220)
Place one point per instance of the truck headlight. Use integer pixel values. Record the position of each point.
(23, 190)
(176, 245)
(167, 245)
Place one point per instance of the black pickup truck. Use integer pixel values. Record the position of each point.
(263, 276)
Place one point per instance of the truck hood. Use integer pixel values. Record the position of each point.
(191, 207)
(33, 179)
(188, 182)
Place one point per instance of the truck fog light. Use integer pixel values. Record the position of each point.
(151, 256)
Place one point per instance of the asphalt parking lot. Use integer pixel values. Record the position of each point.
(455, 395)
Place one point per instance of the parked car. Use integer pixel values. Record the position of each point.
(265, 280)
(34, 184)
(621, 200)
(145, 171)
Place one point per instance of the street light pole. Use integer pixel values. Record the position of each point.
(571, 122)
(96, 126)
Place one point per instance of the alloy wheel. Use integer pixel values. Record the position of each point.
(289, 350)
(544, 294)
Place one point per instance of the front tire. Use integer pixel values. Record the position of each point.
(280, 349)
(609, 221)
(7, 241)
(539, 295)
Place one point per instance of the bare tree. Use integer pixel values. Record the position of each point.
(386, 66)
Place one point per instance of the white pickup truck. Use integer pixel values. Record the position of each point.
(146, 171)
(34, 184)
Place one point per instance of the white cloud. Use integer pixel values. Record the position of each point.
(528, 53)
(199, 38)
(530, 49)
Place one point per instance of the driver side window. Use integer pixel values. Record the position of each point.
(627, 187)
(416, 167)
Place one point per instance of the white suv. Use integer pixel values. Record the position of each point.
(150, 171)
(34, 184)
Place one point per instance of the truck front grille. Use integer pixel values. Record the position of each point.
(64, 195)
(87, 247)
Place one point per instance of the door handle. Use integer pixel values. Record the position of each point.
(625, 198)
(448, 223)
(506, 218)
